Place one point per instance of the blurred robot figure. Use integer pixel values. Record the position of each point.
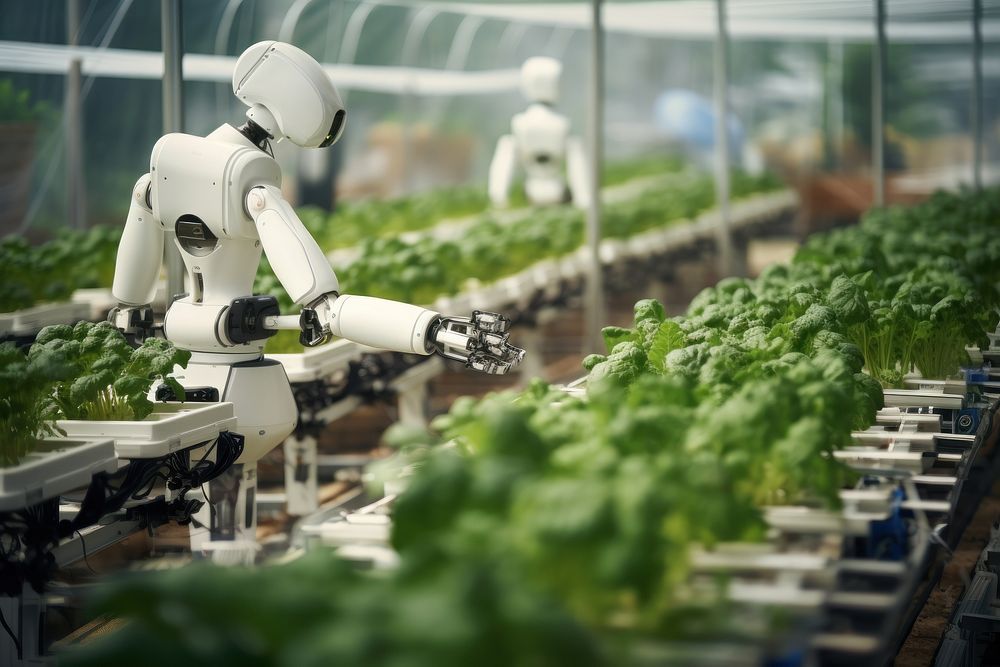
(540, 144)
(219, 198)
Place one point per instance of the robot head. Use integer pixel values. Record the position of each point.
(289, 94)
(540, 79)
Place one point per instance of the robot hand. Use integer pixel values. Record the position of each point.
(136, 322)
(480, 342)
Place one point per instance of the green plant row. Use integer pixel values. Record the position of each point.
(426, 269)
(52, 271)
(354, 223)
(553, 530)
(87, 371)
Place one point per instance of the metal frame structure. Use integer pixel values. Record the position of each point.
(977, 93)
(879, 54)
(594, 306)
(720, 82)
(172, 31)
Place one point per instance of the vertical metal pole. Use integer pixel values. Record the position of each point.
(977, 93)
(878, 104)
(722, 159)
(838, 101)
(594, 306)
(76, 200)
(171, 31)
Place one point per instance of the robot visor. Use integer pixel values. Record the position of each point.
(336, 128)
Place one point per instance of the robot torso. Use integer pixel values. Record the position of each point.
(541, 135)
(198, 188)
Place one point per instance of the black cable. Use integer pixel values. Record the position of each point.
(13, 637)
(83, 547)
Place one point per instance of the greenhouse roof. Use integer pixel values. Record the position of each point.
(850, 20)
(129, 63)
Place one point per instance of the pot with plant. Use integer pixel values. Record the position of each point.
(36, 462)
(106, 392)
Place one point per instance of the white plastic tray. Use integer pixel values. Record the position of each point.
(320, 362)
(917, 398)
(868, 458)
(918, 441)
(170, 428)
(58, 465)
(31, 320)
(99, 300)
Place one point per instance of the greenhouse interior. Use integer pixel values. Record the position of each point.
(386, 333)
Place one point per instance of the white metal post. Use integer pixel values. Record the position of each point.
(301, 475)
(594, 306)
(977, 93)
(878, 104)
(722, 159)
(171, 32)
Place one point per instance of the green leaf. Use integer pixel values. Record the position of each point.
(669, 337)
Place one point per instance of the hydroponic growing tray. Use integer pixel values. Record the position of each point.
(56, 466)
(170, 428)
(31, 320)
(319, 362)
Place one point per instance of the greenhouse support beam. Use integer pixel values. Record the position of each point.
(509, 42)
(977, 93)
(420, 21)
(722, 157)
(76, 198)
(286, 33)
(878, 104)
(594, 305)
(461, 42)
(171, 35)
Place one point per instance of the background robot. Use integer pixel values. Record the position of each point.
(218, 197)
(540, 143)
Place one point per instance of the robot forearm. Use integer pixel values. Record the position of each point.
(387, 325)
(578, 173)
(137, 265)
(502, 170)
(480, 342)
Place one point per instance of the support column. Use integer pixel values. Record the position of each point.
(594, 296)
(878, 104)
(977, 94)
(76, 198)
(171, 35)
(301, 475)
(722, 151)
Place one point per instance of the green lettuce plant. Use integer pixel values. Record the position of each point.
(110, 380)
(26, 385)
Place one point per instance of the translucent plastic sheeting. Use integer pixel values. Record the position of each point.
(126, 63)
(847, 20)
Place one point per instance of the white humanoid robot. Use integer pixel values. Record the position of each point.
(219, 198)
(540, 143)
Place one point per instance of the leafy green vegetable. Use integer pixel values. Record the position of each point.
(52, 271)
(109, 380)
(25, 386)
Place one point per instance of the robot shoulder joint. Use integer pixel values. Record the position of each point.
(142, 193)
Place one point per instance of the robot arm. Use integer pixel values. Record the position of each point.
(502, 170)
(480, 341)
(137, 265)
(577, 168)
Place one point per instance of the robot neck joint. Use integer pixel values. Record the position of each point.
(255, 133)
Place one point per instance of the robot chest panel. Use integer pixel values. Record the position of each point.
(198, 185)
(540, 136)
